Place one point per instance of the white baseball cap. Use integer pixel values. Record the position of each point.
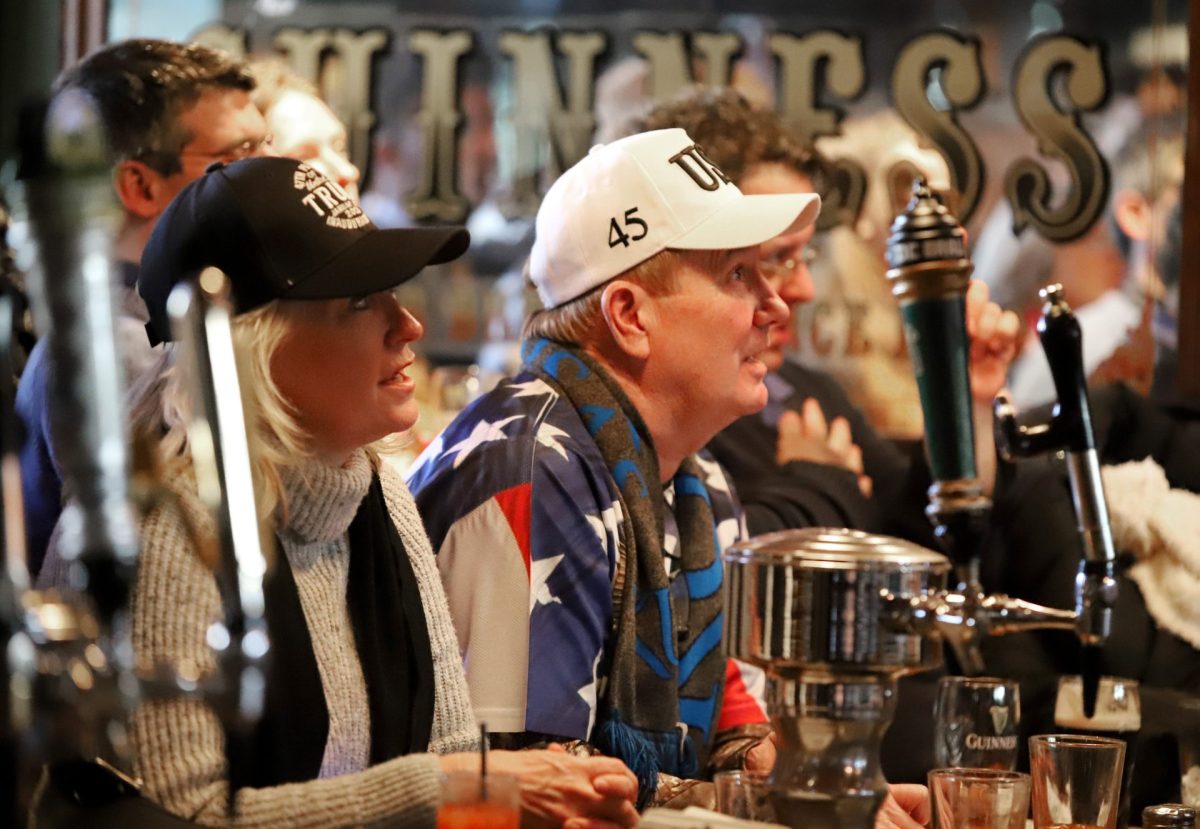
(628, 200)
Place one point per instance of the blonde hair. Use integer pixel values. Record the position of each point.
(274, 77)
(578, 321)
(161, 406)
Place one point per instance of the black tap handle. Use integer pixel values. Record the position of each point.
(1062, 340)
(1016, 440)
(1070, 425)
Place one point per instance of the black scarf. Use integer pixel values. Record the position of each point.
(392, 640)
(665, 662)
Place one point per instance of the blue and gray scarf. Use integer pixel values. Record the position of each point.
(665, 665)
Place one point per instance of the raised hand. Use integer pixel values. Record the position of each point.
(806, 436)
(993, 334)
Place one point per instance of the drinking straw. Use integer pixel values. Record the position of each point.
(483, 749)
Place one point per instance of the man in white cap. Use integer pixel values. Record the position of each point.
(578, 531)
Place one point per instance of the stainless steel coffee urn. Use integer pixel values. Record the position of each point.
(808, 607)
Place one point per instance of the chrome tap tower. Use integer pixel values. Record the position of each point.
(808, 607)
(72, 685)
(930, 275)
(1070, 431)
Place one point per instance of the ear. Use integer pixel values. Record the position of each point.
(140, 188)
(626, 312)
(1132, 214)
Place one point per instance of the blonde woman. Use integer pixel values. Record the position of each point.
(366, 702)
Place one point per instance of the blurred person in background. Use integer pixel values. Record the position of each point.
(169, 111)
(1119, 306)
(853, 331)
(301, 124)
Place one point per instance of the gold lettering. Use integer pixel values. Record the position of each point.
(955, 59)
(1061, 136)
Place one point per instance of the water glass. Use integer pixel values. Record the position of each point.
(1118, 715)
(1076, 781)
(978, 798)
(744, 794)
(975, 722)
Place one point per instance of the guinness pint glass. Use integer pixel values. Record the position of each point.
(975, 723)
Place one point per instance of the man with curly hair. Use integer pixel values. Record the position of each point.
(811, 458)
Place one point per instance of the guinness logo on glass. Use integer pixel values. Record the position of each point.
(983, 742)
(999, 717)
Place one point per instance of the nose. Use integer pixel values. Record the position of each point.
(797, 286)
(772, 310)
(403, 328)
(343, 169)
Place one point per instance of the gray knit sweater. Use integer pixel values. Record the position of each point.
(180, 746)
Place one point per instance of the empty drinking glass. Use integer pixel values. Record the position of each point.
(1076, 781)
(975, 722)
(978, 798)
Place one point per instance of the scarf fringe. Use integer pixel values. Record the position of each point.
(616, 738)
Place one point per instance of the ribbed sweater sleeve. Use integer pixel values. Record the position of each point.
(180, 742)
(454, 726)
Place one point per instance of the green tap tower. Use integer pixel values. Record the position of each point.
(929, 273)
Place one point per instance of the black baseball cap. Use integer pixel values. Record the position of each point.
(280, 230)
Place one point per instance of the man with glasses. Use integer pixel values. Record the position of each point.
(169, 110)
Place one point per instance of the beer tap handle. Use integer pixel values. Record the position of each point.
(1096, 585)
(1070, 430)
(72, 217)
(929, 273)
(70, 657)
(1018, 440)
(1062, 340)
(217, 437)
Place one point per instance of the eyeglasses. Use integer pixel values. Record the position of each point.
(248, 148)
(783, 262)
